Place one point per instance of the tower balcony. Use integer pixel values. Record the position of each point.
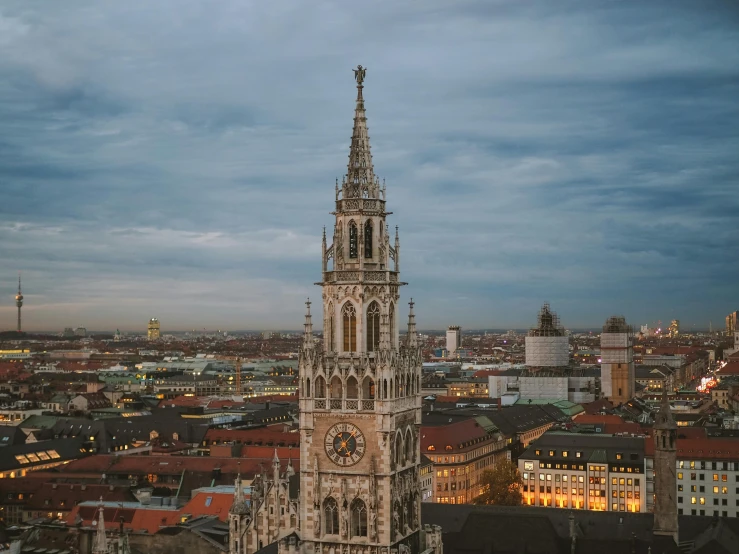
(344, 404)
(358, 405)
(367, 205)
(359, 276)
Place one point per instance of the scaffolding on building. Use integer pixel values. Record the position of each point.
(617, 324)
(547, 324)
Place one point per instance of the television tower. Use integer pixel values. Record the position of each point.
(19, 301)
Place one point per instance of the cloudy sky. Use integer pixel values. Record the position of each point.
(176, 158)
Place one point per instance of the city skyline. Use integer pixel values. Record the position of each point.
(592, 169)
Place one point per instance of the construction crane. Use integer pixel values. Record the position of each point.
(237, 360)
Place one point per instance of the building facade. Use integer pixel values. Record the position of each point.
(460, 453)
(585, 472)
(617, 360)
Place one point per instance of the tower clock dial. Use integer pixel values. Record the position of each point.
(344, 444)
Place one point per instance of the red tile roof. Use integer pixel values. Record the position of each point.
(487, 372)
(218, 506)
(598, 418)
(163, 465)
(273, 398)
(597, 406)
(702, 449)
(453, 435)
(63, 496)
(731, 368)
(267, 437)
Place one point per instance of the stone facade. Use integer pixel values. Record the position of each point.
(271, 514)
(665, 479)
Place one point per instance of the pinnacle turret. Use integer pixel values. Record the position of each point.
(307, 331)
(239, 504)
(412, 336)
(100, 546)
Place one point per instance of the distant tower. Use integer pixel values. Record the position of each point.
(19, 302)
(665, 462)
(153, 329)
(617, 360)
(453, 338)
(100, 546)
(547, 344)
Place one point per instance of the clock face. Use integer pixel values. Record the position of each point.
(344, 444)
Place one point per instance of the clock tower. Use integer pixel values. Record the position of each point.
(360, 403)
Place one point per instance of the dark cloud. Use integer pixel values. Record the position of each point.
(183, 165)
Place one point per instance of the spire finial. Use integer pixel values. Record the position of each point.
(359, 75)
(360, 175)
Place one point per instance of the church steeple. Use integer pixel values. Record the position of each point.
(360, 180)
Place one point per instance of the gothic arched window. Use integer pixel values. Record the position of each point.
(368, 239)
(398, 449)
(373, 327)
(368, 388)
(331, 516)
(320, 387)
(392, 324)
(330, 327)
(359, 518)
(352, 387)
(349, 317)
(409, 447)
(353, 253)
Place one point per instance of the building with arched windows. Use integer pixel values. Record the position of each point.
(359, 395)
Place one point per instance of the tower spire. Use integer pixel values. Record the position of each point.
(360, 176)
(100, 546)
(412, 336)
(19, 302)
(307, 332)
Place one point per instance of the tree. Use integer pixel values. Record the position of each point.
(501, 485)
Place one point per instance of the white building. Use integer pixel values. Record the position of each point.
(581, 387)
(453, 338)
(547, 344)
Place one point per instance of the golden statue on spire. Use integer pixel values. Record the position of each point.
(359, 74)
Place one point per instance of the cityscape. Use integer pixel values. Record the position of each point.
(320, 397)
